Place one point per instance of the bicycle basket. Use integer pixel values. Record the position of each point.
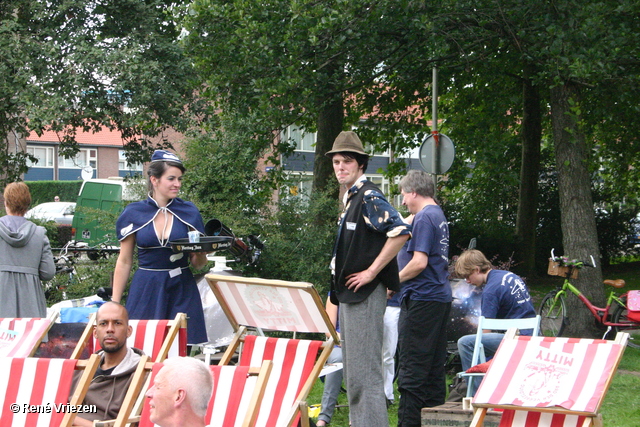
(555, 269)
(633, 305)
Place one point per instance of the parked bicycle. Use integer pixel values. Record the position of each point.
(65, 265)
(553, 309)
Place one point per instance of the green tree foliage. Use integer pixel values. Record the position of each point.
(296, 248)
(314, 63)
(562, 74)
(72, 65)
(225, 171)
(567, 50)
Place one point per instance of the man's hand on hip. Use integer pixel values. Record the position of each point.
(357, 280)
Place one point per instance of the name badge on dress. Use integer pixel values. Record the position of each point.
(175, 272)
(351, 226)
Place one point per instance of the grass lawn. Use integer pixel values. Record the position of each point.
(621, 407)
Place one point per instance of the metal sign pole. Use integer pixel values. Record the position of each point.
(434, 128)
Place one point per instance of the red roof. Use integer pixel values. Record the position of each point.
(105, 137)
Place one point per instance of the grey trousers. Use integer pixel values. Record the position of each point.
(361, 328)
(332, 386)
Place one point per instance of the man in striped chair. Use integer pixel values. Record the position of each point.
(180, 393)
(117, 364)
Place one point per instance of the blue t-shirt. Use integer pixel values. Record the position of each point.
(505, 296)
(394, 301)
(431, 236)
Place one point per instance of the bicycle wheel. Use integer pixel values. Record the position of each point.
(553, 315)
(620, 316)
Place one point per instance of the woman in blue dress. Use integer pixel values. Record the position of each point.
(163, 285)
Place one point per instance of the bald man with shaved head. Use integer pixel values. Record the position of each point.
(117, 364)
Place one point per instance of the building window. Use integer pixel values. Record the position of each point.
(43, 154)
(300, 185)
(381, 182)
(303, 141)
(85, 157)
(123, 165)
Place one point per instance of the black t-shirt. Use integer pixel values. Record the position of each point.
(101, 371)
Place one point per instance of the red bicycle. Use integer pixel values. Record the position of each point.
(615, 315)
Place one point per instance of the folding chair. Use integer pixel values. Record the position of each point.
(277, 305)
(20, 337)
(237, 394)
(38, 391)
(157, 338)
(548, 381)
(495, 325)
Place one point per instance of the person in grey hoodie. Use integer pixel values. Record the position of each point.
(25, 257)
(117, 365)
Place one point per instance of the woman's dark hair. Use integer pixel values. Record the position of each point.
(157, 169)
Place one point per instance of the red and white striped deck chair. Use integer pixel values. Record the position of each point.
(45, 384)
(548, 381)
(158, 339)
(237, 394)
(276, 305)
(20, 337)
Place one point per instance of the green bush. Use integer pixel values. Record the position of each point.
(45, 191)
(298, 236)
(299, 241)
(89, 276)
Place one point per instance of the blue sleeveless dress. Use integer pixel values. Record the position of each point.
(163, 285)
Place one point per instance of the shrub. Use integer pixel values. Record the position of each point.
(45, 191)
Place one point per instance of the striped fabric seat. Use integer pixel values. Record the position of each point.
(548, 381)
(20, 337)
(512, 418)
(293, 363)
(237, 392)
(43, 386)
(157, 338)
(479, 357)
(277, 305)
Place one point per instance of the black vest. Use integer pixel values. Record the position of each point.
(356, 249)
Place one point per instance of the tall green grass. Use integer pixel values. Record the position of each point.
(621, 406)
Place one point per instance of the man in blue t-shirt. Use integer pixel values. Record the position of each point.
(425, 302)
(504, 296)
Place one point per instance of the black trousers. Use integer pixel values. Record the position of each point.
(422, 354)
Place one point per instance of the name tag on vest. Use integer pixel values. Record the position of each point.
(350, 226)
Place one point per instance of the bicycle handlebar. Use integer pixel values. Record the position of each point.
(585, 263)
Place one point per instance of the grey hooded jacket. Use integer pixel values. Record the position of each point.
(25, 260)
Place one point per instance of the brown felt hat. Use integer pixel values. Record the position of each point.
(347, 141)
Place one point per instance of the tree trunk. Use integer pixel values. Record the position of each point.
(527, 218)
(579, 235)
(330, 120)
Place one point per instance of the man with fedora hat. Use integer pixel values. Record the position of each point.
(370, 234)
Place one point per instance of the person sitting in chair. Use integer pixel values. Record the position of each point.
(180, 393)
(117, 365)
(504, 296)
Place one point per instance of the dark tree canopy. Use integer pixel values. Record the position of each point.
(73, 66)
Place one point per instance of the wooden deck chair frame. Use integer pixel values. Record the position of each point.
(75, 396)
(582, 417)
(133, 400)
(24, 345)
(494, 325)
(131, 413)
(180, 321)
(275, 305)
